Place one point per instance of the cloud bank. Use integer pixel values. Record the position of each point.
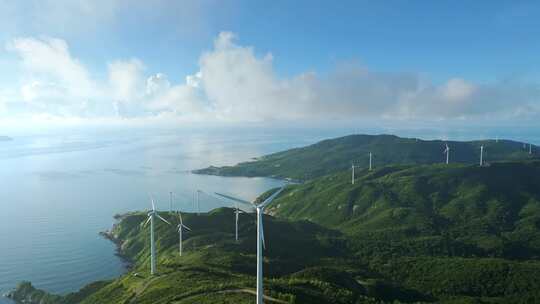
(234, 84)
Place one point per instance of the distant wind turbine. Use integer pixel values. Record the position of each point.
(447, 152)
(481, 156)
(181, 227)
(151, 218)
(530, 148)
(260, 235)
(352, 177)
(196, 203)
(170, 202)
(370, 159)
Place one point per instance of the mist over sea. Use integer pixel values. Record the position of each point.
(58, 191)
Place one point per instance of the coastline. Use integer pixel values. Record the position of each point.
(109, 235)
(25, 292)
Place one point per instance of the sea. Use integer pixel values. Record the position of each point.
(58, 190)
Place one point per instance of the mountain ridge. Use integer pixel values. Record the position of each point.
(337, 154)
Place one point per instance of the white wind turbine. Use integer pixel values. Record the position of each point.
(481, 155)
(370, 159)
(196, 203)
(352, 177)
(447, 152)
(170, 202)
(260, 235)
(181, 227)
(151, 218)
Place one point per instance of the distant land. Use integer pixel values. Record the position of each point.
(5, 138)
(334, 155)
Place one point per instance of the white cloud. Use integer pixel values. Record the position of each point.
(234, 84)
(126, 80)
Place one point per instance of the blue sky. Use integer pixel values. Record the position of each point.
(392, 60)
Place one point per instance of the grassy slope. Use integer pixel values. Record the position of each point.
(304, 263)
(491, 210)
(334, 155)
(442, 230)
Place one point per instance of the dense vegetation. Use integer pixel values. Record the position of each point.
(335, 155)
(457, 230)
(304, 263)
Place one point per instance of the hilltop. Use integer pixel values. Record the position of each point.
(335, 155)
(5, 138)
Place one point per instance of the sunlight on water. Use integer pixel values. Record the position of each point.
(59, 191)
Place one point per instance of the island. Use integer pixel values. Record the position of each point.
(337, 154)
(409, 232)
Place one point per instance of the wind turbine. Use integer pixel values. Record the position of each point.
(352, 175)
(170, 201)
(151, 218)
(447, 152)
(237, 212)
(481, 155)
(196, 204)
(260, 235)
(530, 148)
(180, 229)
(370, 158)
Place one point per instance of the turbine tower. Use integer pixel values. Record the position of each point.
(447, 152)
(151, 218)
(260, 235)
(170, 201)
(530, 148)
(481, 156)
(352, 177)
(181, 227)
(198, 204)
(370, 159)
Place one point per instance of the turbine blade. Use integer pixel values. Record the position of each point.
(235, 199)
(162, 218)
(272, 197)
(153, 205)
(186, 227)
(146, 222)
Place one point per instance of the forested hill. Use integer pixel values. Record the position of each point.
(401, 234)
(457, 209)
(334, 155)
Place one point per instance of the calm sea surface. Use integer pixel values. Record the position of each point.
(58, 191)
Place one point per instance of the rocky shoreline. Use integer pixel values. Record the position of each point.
(26, 293)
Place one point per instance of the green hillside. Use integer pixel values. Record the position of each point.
(400, 234)
(304, 263)
(334, 155)
(460, 210)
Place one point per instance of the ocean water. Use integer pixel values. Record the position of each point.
(57, 192)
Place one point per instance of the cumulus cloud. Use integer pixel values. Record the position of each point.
(233, 83)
